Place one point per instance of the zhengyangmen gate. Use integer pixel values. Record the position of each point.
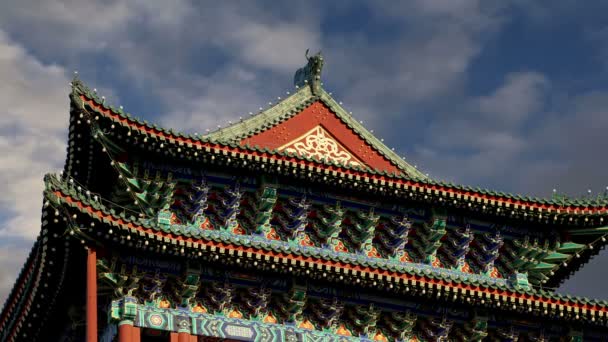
(295, 224)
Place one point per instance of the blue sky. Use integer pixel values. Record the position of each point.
(509, 94)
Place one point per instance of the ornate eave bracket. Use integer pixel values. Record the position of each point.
(124, 309)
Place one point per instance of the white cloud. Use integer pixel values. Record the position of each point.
(33, 121)
(573, 138)
(220, 98)
(146, 35)
(521, 95)
(494, 120)
(181, 52)
(34, 118)
(481, 140)
(277, 46)
(75, 25)
(422, 64)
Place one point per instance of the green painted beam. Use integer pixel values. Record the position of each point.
(556, 257)
(589, 231)
(541, 266)
(570, 247)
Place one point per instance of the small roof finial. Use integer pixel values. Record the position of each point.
(76, 84)
(75, 78)
(311, 73)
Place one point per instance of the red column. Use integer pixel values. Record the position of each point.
(91, 295)
(125, 333)
(136, 334)
(183, 337)
(173, 337)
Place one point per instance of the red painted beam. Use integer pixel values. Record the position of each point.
(125, 333)
(136, 334)
(92, 295)
(183, 337)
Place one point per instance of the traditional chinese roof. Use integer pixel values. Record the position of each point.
(89, 217)
(573, 217)
(569, 210)
(311, 123)
(377, 221)
(333, 133)
(82, 207)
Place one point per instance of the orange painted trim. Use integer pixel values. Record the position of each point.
(327, 263)
(217, 148)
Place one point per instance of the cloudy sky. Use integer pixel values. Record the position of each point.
(506, 94)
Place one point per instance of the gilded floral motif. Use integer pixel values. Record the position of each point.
(319, 144)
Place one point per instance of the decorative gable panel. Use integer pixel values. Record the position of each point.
(318, 143)
(317, 131)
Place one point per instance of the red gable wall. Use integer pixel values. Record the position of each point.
(314, 115)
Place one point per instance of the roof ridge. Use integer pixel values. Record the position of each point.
(258, 122)
(369, 137)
